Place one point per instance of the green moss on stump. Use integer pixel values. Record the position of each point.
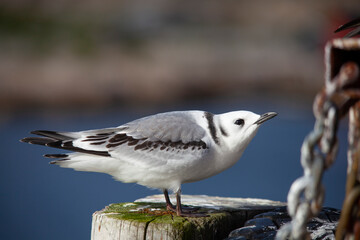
(158, 219)
(144, 212)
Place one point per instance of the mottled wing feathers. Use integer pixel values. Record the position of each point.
(158, 137)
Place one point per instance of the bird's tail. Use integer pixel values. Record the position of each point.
(81, 160)
(59, 140)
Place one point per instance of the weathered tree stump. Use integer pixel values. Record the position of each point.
(148, 218)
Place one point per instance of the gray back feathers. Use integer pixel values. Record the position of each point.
(165, 127)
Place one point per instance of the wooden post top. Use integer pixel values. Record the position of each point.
(147, 218)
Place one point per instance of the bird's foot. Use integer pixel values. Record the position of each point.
(180, 210)
(186, 211)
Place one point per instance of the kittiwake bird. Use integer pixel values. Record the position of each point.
(160, 151)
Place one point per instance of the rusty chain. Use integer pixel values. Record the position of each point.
(340, 95)
(349, 224)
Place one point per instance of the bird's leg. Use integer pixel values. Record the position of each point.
(182, 212)
(171, 207)
(178, 202)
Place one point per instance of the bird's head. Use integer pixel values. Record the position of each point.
(239, 127)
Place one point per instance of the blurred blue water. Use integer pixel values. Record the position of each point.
(42, 201)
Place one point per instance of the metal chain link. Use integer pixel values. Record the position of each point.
(306, 194)
(318, 152)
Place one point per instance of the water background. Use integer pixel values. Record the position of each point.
(42, 201)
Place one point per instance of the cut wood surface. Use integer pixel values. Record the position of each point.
(147, 218)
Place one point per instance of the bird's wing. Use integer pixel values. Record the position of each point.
(352, 24)
(154, 139)
(171, 126)
(159, 139)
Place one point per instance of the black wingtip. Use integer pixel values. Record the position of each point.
(25, 140)
(58, 161)
(56, 155)
(54, 144)
(58, 140)
(38, 132)
(353, 33)
(352, 24)
(37, 140)
(29, 140)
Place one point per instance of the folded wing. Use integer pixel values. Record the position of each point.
(154, 139)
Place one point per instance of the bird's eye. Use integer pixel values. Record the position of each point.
(239, 122)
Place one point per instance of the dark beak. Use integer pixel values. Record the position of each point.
(265, 117)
